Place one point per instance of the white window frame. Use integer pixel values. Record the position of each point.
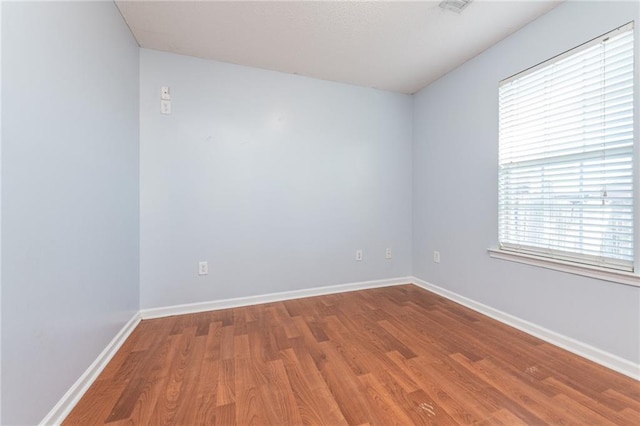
(569, 265)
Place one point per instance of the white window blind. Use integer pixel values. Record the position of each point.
(566, 155)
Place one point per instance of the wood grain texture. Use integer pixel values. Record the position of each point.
(394, 355)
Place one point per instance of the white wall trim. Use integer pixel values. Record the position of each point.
(584, 350)
(620, 277)
(191, 308)
(60, 411)
(73, 395)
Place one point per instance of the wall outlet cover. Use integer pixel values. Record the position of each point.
(203, 267)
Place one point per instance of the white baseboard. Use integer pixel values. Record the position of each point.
(191, 308)
(57, 415)
(584, 350)
(73, 395)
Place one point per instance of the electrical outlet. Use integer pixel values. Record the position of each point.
(203, 267)
(387, 254)
(359, 255)
(436, 256)
(165, 107)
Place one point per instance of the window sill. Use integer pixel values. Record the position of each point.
(619, 277)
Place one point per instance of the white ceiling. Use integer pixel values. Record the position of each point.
(395, 45)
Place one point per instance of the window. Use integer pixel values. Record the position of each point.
(566, 156)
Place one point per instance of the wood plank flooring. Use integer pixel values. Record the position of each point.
(394, 355)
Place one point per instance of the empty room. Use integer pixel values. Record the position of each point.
(320, 212)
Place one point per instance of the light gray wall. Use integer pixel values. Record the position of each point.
(455, 155)
(69, 195)
(275, 179)
(1, 3)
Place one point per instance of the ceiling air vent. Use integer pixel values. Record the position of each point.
(455, 5)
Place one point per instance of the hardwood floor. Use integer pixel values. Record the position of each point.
(394, 355)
